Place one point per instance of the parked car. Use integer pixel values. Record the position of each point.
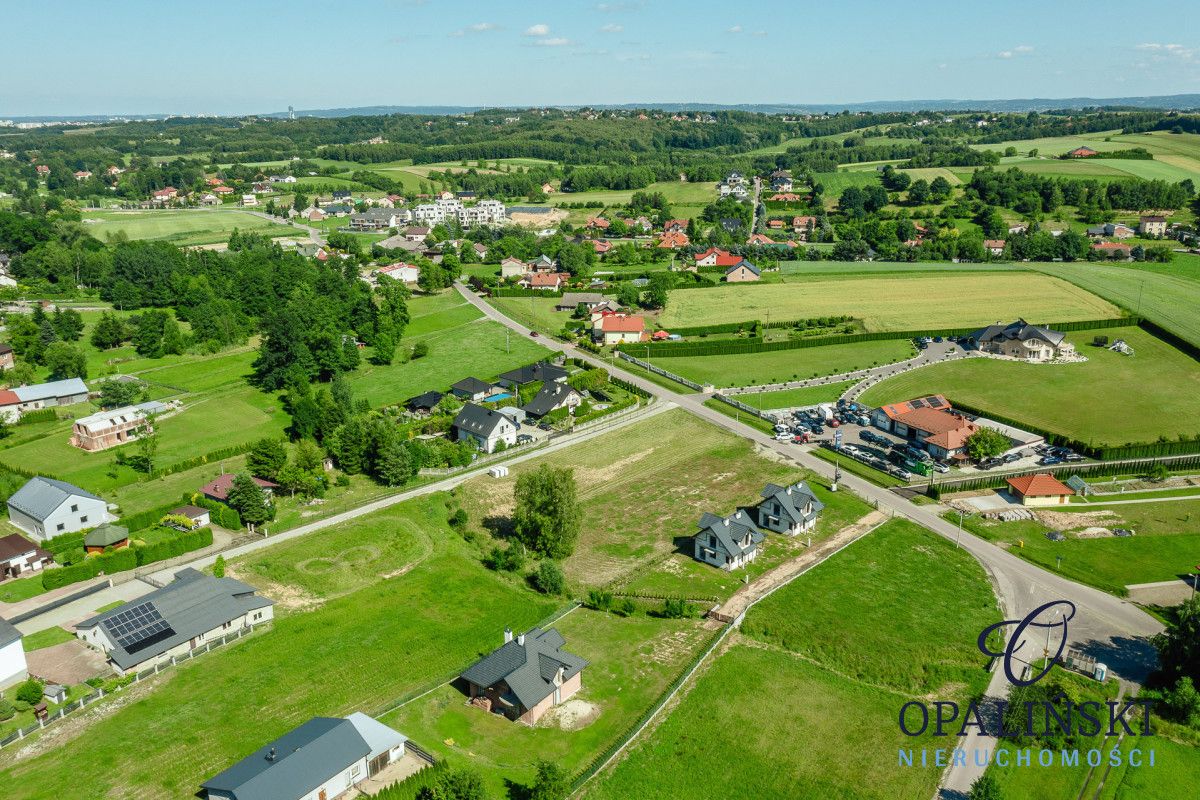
(937, 339)
(545, 426)
(524, 438)
(1123, 532)
(1073, 457)
(533, 334)
(941, 467)
(1049, 461)
(899, 472)
(1011, 457)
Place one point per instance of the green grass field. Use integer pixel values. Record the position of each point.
(354, 652)
(778, 366)
(821, 671)
(643, 489)
(794, 398)
(1159, 389)
(535, 313)
(892, 302)
(1176, 156)
(182, 227)
(683, 194)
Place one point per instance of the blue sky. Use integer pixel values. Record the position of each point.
(218, 56)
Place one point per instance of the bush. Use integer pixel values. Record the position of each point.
(458, 520)
(7, 711)
(548, 579)
(600, 600)
(30, 691)
(677, 609)
(175, 546)
(20, 706)
(508, 559)
(219, 567)
(625, 607)
(420, 350)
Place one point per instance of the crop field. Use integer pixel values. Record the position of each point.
(1176, 156)
(1159, 388)
(393, 636)
(182, 227)
(801, 699)
(671, 469)
(631, 660)
(1164, 547)
(675, 192)
(779, 366)
(893, 302)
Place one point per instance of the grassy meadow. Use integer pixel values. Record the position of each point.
(180, 226)
(778, 366)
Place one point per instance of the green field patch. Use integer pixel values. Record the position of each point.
(46, 638)
(779, 366)
(1159, 389)
(795, 398)
(182, 227)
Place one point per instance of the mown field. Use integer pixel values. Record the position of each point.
(893, 302)
(1176, 156)
(1158, 387)
(821, 671)
(182, 227)
(778, 366)
(643, 489)
(795, 398)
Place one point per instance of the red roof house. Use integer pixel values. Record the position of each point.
(673, 240)
(1042, 489)
(1083, 152)
(219, 489)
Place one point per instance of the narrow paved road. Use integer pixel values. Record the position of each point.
(1109, 629)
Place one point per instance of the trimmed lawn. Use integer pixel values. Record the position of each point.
(180, 226)
(795, 398)
(630, 662)
(354, 652)
(821, 672)
(535, 313)
(46, 638)
(780, 366)
(892, 302)
(1159, 389)
(14, 591)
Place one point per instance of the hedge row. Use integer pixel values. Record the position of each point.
(725, 327)
(811, 322)
(146, 519)
(127, 558)
(219, 513)
(38, 415)
(519, 292)
(742, 346)
(196, 461)
(1082, 470)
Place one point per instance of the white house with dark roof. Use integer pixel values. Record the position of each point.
(542, 371)
(188, 612)
(485, 426)
(727, 542)
(319, 760)
(526, 676)
(790, 510)
(471, 389)
(551, 397)
(1021, 340)
(13, 668)
(45, 508)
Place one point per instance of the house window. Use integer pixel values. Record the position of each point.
(74, 508)
(60, 526)
(83, 519)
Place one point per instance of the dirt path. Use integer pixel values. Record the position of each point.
(771, 580)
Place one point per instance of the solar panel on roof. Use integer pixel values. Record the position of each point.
(917, 404)
(138, 627)
(935, 402)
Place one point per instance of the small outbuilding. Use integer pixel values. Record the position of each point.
(102, 537)
(1042, 489)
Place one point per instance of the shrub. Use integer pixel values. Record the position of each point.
(20, 706)
(599, 600)
(458, 520)
(420, 350)
(6, 710)
(677, 609)
(30, 691)
(508, 559)
(219, 567)
(548, 579)
(625, 607)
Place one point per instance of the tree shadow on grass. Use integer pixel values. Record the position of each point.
(499, 527)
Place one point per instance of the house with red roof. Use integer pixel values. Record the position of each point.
(929, 423)
(612, 329)
(775, 224)
(165, 194)
(1042, 489)
(1083, 152)
(786, 197)
(760, 239)
(82, 175)
(1112, 249)
(675, 226)
(994, 246)
(601, 246)
(545, 281)
(715, 257)
(219, 489)
(673, 240)
(42, 169)
(598, 223)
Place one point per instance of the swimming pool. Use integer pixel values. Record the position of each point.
(496, 398)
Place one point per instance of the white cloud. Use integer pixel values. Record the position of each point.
(1005, 54)
(1023, 48)
(1172, 50)
(735, 29)
(611, 7)
(478, 27)
(554, 41)
(612, 28)
(541, 29)
(759, 33)
(1019, 50)
(942, 66)
(633, 57)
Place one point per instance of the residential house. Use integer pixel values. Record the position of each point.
(790, 510)
(249, 200)
(760, 240)
(82, 175)
(486, 427)
(673, 241)
(283, 179)
(104, 536)
(1042, 489)
(164, 195)
(743, 272)
(513, 268)
(320, 760)
(210, 200)
(543, 263)
(18, 556)
(106, 429)
(423, 404)
(547, 189)
(188, 612)
(400, 271)
(715, 257)
(218, 489)
(1152, 225)
(675, 226)
(480, 250)
(343, 195)
(373, 219)
(601, 246)
(526, 676)
(13, 669)
(727, 542)
(337, 210)
(1114, 230)
(471, 389)
(43, 170)
(612, 329)
(551, 397)
(261, 187)
(114, 170)
(804, 226)
(545, 281)
(571, 300)
(781, 182)
(731, 225)
(994, 246)
(541, 372)
(7, 360)
(1083, 152)
(1021, 340)
(45, 508)
(197, 516)
(45, 395)
(223, 190)
(598, 224)
(1114, 250)
(775, 224)
(416, 234)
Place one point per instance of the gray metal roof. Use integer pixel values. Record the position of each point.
(528, 668)
(731, 531)
(793, 499)
(295, 764)
(191, 604)
(8, 633)
(44, 391)
(744, 263)
(550, 397)
(479, 420)
(541, 371)
(379, 737)
(40, 496)
(1021, 330)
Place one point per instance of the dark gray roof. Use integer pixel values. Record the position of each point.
(551, 396)
(541, 371)
(191, 604)
(427, 400)
(471, 386)
(295, 764)
(731, 531)
(792, 499)
(8, 633)
(527, 668)
(479, 420)
(747, 265)
(40, 496)
(1021, 330)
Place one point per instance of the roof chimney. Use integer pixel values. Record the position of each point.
(521, 639)
(507, 635)
(726, 521)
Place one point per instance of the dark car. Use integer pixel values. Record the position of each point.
(524, 438)
(1011, 457)
(545, 426)
(1049, 461)
(937, 339)
(533, 333)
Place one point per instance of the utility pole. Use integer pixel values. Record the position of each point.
(958, 541)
